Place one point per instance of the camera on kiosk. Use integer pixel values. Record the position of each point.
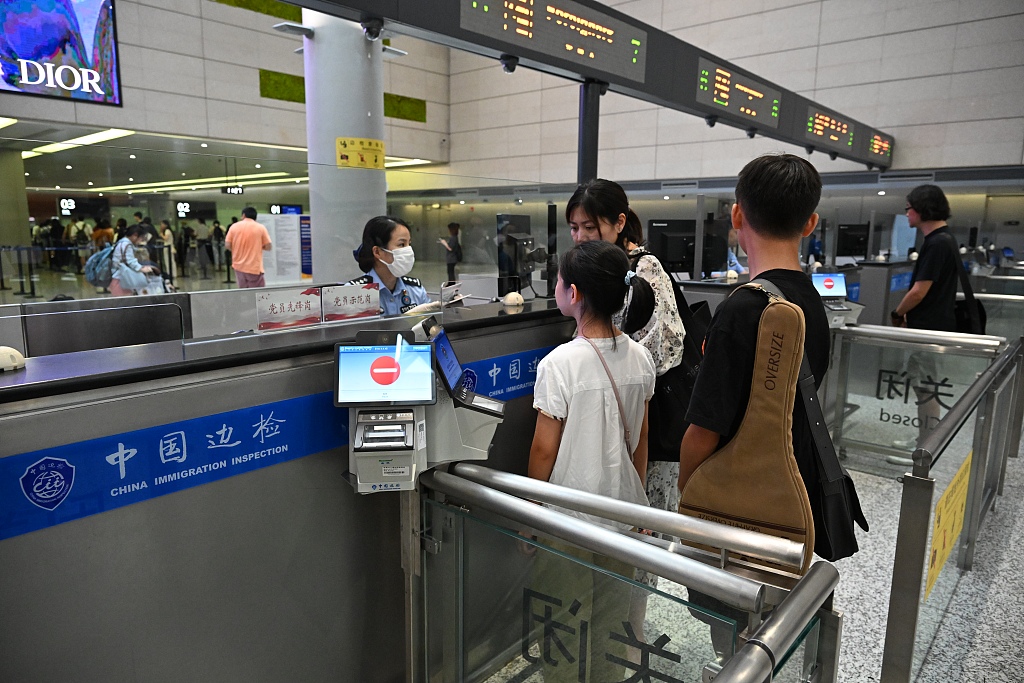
(403, 417)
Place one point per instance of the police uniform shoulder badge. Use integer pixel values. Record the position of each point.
(363, 280)
(411, 281)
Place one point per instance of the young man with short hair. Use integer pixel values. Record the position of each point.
(776, 198)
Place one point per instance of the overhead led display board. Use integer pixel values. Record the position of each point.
(738, 94)
(827, 130)
(563, 29)
(880, 148)
(61, 48)
(585, 40)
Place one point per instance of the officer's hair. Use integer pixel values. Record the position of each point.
(377, 233)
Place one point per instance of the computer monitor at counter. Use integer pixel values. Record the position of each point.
(674, 242)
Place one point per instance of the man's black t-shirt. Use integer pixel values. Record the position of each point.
(722, 389)
(938, 263)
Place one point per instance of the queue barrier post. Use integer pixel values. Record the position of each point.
(227, 255)
(3, 287)
(31, 281)
(21, 275)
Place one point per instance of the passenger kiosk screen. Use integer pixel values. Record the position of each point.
(451, 370)
(830, 285)
(384, 375)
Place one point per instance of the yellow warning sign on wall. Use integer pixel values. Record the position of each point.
(359, 153)
(949, 521)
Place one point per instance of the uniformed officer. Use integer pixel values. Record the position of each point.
(387, 258)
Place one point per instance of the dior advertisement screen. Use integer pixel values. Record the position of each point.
(60, 48)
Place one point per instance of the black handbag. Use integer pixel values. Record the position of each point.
(970, 313)
(835, 505)
(666, 411)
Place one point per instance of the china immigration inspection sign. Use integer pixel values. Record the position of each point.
(57, 485)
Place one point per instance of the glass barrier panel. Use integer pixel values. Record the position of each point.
(951, 472)
(798, 664)
(1005, 317)
(55, 331)
(893, 397)
(1001, 285)
(500, 607)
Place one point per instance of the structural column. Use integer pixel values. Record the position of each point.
(344, 99)
(14, 227)
(589, 123)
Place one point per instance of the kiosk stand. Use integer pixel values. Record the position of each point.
(832, 289)
(400, 425)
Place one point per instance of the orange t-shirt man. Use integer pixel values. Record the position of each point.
(247, 240)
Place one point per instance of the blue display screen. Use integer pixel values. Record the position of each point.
(830, 284)
(60, 49)
(384, 374)
(451, 370)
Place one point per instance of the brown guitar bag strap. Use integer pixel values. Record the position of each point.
(753, 481)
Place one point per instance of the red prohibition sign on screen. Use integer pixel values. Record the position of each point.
(829, 283)
(385, 370)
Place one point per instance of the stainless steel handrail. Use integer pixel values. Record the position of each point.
(750, 543)
(757, 659)
(985, 296)
(937, 440)
(981, 342)
(734, 591)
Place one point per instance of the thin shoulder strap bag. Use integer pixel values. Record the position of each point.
(618, 399)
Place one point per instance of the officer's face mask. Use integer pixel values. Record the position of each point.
(404, 260)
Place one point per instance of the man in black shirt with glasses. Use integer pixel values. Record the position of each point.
(931, 302)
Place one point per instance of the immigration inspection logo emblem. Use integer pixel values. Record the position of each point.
(470, 380)
(48, 482)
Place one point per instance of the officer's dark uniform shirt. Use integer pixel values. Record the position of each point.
(938, 263)
(722, 389)
(408, 292)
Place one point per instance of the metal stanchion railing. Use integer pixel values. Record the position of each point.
(31, 281)
(3, 287)
(910, 565)
(761, 655)
(21, 274)
(227, 255)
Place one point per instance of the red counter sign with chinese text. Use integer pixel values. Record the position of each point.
(346, 302)
(289, 307)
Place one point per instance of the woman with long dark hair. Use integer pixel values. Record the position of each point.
(599, 210)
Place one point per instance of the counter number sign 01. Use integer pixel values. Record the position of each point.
(67, 205)
(183, 209)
